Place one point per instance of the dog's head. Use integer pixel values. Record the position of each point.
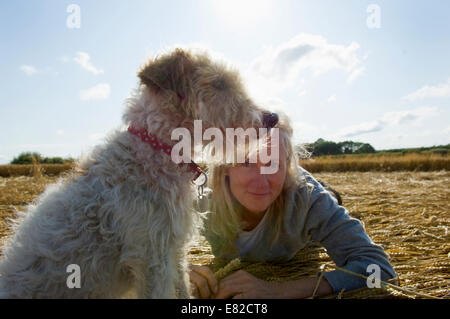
(196, 88)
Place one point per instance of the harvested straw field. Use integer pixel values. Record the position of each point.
(30, 170)
(408, 213)
(331, 163)
(377, 162)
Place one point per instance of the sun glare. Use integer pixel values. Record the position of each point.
(242, 13)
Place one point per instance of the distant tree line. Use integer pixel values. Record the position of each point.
(438, 149)
(27, 158)
(318, 148)
(322, 147)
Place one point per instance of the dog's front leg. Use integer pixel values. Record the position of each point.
(182, 283)
(157, 281)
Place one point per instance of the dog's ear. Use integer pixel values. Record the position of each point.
(170, 74)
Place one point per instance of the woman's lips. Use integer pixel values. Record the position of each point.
(259, 194)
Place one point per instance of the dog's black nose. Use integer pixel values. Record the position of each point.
(270, 119)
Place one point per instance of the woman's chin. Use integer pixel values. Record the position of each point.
(257, 207)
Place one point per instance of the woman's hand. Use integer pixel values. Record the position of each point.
(204, 283)
(242, 285)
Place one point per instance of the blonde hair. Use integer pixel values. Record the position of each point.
(224, 220)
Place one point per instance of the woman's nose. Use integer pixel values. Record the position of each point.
(259, 179)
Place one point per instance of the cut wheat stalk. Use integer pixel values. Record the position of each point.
(228, 268)
(385, 284)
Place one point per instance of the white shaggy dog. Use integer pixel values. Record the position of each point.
(125, 214)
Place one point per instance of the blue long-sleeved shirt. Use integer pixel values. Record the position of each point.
(314, 215)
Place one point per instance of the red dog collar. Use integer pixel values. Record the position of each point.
(157, 145)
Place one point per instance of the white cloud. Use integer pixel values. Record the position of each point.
(414, 117)
(311, 52)
(83, 59)
(28, 69)
(286, 66)
(60, 132)
(99, 92)
(332, 99)
(358, 72)
(362, 128)
(409, 116)
(439, 91)
(31, 70)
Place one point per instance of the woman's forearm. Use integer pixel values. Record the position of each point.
(302, 288)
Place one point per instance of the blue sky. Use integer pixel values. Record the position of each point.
(341, 70)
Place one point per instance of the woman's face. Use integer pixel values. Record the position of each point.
(256, 191)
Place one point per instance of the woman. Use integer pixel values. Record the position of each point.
(267, 217)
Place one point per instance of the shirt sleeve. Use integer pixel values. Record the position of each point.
(345, 240)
